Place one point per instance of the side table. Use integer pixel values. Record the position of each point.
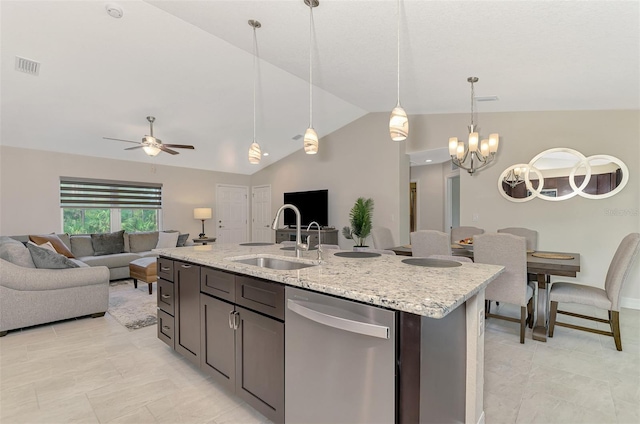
(204, 241)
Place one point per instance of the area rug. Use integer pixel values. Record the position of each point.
(131, 307)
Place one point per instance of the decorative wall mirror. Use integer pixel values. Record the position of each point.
(562, 173)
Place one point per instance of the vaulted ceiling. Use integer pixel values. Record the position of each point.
(190, 64)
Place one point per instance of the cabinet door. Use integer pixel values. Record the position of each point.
(217, 340)
(263, 296)
(260, 363)
(187, 310)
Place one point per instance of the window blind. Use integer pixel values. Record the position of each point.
(84, 193)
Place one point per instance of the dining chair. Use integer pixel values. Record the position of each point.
(430, 242)
(511, 286)
(530, 235)
(462, 259)
(607, 298)
(382, 238)
(461, 233)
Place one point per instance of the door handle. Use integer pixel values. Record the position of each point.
(358, 327)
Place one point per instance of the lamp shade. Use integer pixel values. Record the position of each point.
(310, 142)
(202, 213)
(254, 153)
(398, 124)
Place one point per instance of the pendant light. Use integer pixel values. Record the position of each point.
(398, 123)
(254, 150)
(310, 136)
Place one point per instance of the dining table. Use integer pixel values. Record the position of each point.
(542, 264)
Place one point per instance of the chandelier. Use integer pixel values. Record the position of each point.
(479, 154)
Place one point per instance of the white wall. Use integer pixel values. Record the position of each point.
(30, 188)
(430, 181)
(575, 225)
(358, 160)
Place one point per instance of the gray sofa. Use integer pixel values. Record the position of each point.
(31, 296)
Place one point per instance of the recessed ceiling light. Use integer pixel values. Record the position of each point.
(265, 154)
(429, 160)
(114, 10)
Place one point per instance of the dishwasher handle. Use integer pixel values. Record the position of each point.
(358, 327)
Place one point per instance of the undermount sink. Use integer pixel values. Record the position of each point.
(274, 263)
(431, 263)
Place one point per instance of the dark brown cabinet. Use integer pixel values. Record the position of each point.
(217, 338)
(186, 280)
(165, 298)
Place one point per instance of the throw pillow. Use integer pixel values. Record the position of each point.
(81, 246)
(57, 243)
(15, 252)
(45, 258)
(143, 242)
(46, 245)
(108, 243)
(182, 239)
(167, 240)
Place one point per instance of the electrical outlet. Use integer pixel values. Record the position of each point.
(476, 217)
(480, 322)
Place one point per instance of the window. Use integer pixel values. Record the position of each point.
(102, 206)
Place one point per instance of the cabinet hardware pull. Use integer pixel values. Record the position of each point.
(165, 268)
(236, 320)
(186, 266)
(231, 320)
(166, 327)
(166, 296)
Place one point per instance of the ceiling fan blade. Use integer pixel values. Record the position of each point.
(119, 139)
(180, 146)
(165, 149)
(133, 148)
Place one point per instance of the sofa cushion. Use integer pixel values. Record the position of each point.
(81, 246)
(182, 239)
(167, 240)
(56, 241)
(15, 252)
(143, 242)
(149, 254)
(108, 243)
(45, 258)
(116, 260)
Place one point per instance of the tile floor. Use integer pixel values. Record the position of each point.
(96, 371)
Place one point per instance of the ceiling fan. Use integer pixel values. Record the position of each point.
(151, 145)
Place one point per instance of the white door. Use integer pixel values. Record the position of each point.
(261, 214)
(231, 213)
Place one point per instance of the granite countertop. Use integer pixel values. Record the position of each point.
(383, 281)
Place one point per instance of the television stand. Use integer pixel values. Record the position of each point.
(289, 234)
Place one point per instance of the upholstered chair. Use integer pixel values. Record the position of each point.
(382, 238)
(607, 298)
(511, 285)
(530, 235)
(430, 242)
(462, 259)
(461, 233)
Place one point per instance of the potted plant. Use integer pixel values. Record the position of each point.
(360, 219)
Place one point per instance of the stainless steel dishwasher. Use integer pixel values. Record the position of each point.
(340, 360)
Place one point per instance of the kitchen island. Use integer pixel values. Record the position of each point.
(437, 327)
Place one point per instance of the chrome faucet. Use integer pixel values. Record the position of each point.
(319, 240)
(299, 245)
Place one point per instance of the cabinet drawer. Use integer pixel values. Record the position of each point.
(165, 328)
(165, 269)
(166, 296)
(218, 283)
(261, 296)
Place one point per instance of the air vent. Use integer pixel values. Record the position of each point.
(486, 98)
(296, 137)
(27, 66)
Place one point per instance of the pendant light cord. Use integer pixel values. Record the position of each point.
(310, 65)
(472, 96)
(398, 19)
(255, 49)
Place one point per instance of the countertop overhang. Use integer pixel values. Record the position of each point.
(382, 281)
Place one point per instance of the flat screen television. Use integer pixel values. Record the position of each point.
(313, 206)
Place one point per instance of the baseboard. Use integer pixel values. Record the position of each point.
(630, 302)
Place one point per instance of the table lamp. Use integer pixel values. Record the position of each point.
(202, 214)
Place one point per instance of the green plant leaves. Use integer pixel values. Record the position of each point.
(360, 219)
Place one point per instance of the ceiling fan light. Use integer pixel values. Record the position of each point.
(398, 124)
(151, 150)
(254, 153)
(310, 142)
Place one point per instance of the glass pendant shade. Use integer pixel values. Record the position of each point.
(398, 124)
(151, 150)
(254, 153)
(310, 142)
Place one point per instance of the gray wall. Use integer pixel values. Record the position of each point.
(30, 188)
(575, 225)
(358, 160)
